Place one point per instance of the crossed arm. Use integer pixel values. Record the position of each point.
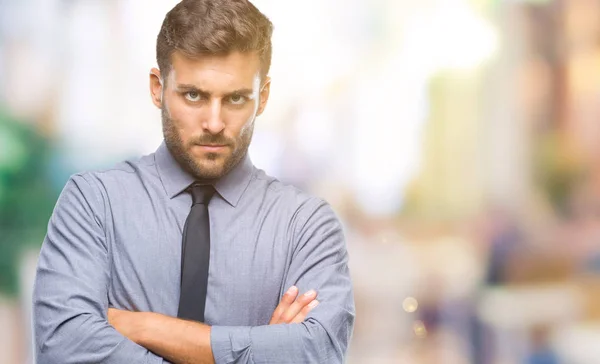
(183, 342)
(71, 311)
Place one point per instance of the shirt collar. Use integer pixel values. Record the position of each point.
(175, 179)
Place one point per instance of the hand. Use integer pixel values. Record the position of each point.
(290, 311)
(128, 323)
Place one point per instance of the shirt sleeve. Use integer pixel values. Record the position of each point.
(70, 298)
(320, 262)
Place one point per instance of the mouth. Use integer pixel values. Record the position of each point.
(212, 147)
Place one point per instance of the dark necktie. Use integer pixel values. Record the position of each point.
(195, 255)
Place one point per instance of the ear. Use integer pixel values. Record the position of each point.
(156, 87)
(264, 96)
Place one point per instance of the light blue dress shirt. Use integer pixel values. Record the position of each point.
(114, 240)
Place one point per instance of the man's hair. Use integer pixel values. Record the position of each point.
(214, 27)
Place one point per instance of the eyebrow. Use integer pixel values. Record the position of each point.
(187, 88)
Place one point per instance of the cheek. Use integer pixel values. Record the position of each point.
(239, 121)
(184, 116)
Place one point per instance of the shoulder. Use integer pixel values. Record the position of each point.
(130, 169)
(274, 189)
(96, 186)
(304, 208)
(120, 174)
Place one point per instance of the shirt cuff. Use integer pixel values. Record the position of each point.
(230, 344)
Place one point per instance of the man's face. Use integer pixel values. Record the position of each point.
(208, 107)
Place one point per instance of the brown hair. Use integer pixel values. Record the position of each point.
(214, 27)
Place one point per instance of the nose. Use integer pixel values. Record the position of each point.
(213, 121)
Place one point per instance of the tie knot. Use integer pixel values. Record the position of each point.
(201, 194)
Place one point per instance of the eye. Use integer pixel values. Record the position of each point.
(193, 96)
(237, 99)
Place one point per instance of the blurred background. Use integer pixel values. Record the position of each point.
(458, 140)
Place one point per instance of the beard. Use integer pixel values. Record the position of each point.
(211, 166)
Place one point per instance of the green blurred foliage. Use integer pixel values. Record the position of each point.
(26, 195)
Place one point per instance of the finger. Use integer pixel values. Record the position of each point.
(297, 306)
(304, 312)
(112, 316)
(287, 299)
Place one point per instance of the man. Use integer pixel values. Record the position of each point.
(188, 253)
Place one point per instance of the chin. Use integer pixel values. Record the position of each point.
(210, 168)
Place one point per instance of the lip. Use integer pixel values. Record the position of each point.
(212, 148)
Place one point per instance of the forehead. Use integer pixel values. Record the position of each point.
(235, 69)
